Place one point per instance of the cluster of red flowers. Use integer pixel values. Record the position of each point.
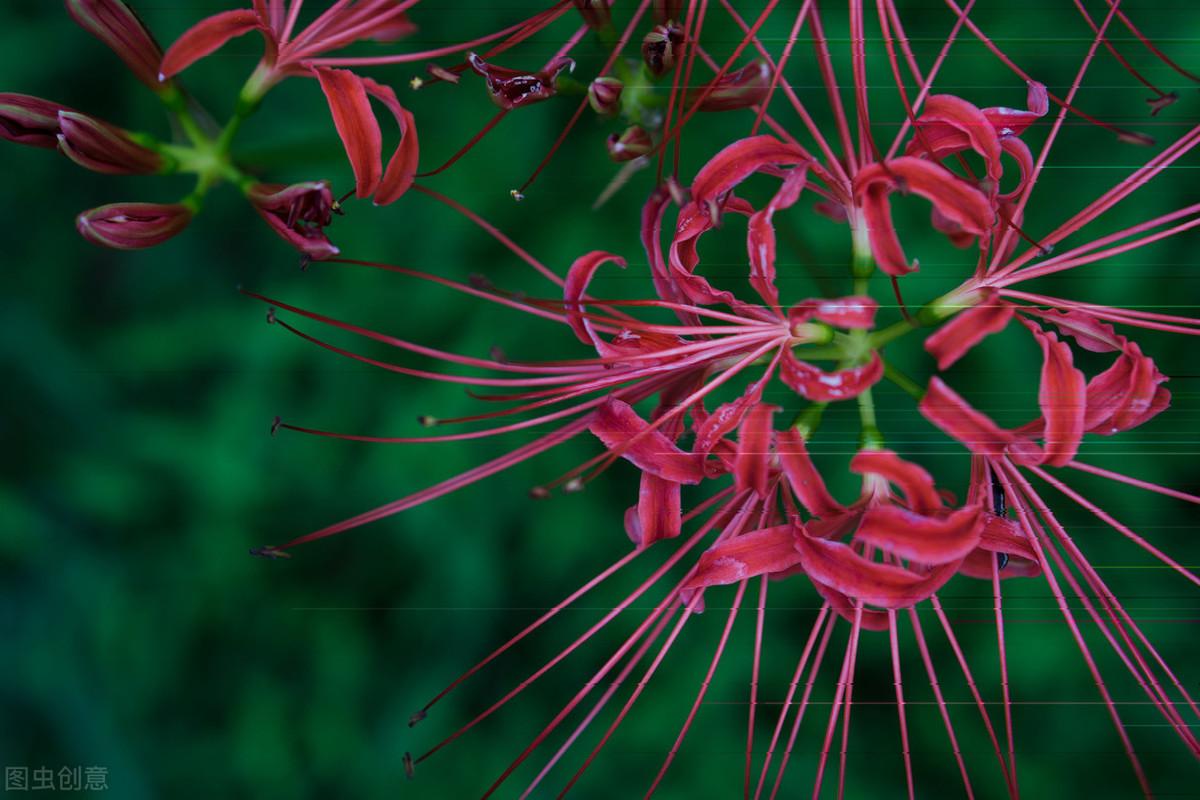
(902, 539)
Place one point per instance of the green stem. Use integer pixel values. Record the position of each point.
(910, 387)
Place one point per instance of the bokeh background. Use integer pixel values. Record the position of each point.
(138, 635)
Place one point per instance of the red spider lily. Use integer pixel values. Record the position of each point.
(347, 93)
(874, 561)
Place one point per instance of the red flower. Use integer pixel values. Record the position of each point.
(289, 54)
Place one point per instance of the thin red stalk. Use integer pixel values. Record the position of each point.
(1044, 153)
(754, 673)
(966, 669)
(616, 683)
(829, 78)
(687, 50)
(1141, 484)
(1151, 47)
(671, 599)
(1141, 672)
(791, 692)
(1105, 312)
(578, 642)
(1008, 62)
(493, 231)
(1109, 520)
(474, 140)
(840, 183)
(569, 600)
(1115, 609)
(612, 57)
(904, 746)
(1066, 262)
(808, 687)
(1010, 477)
(1005, 689)
(849, 701)
(941, 701)
(1116, 53)
(554, 12)
(708, 676)
(858, 61)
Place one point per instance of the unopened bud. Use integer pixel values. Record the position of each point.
(741, 88)
(133, 226)
(29, 120)
(604, 96)
(115, 24)
(633, 143)
(105, 148)
(660, 47)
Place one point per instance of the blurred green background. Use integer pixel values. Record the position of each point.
(138, 635)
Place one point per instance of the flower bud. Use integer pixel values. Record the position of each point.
(595, 13)
(133, 226)
(667, 10)
(741, 88)
(660, 48)
(511, 88)
(633, 143)
(29, 120)
(298, 213)
(115, 24)
(604, 95)
(105, 148)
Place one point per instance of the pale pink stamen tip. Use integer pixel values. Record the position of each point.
(573, 485)
(539, 493)
(516, 195)
(275, 423)
(271, 315)
(409, 770)
(427, 421)
(415, 718)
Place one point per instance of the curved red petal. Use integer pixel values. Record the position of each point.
(207, 36)
(814, 383)
(803, 477)
(658, 513)
(839, 567)
(578, 277)
(619, 427)
(756, 553)
(356, 125)
(845, 608)
(946, 409)
(738, 161)
(929, 540)
(953, 197)
(1062, 397)
(967, 329)
(751, 466)
(402, 167)
(913, 480)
